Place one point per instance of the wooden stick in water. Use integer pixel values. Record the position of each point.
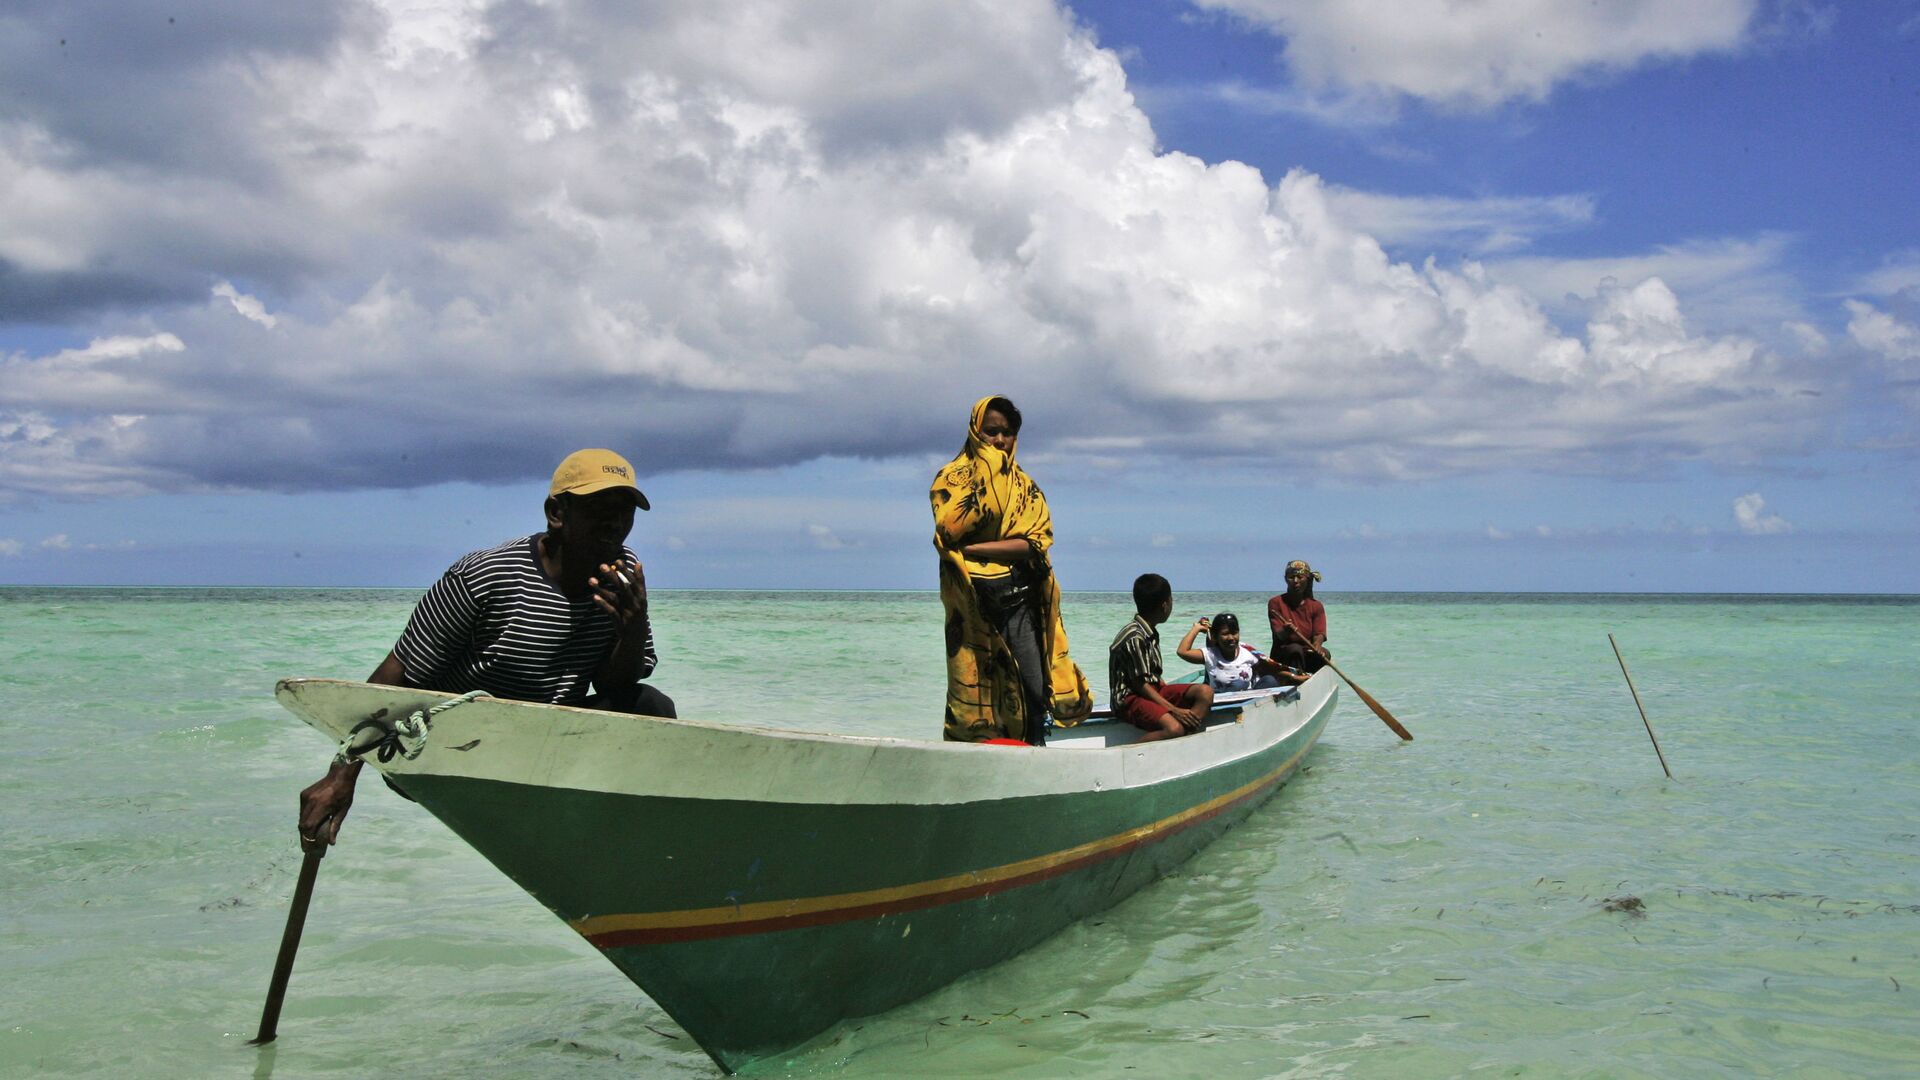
(1637, 705)
(290, 940)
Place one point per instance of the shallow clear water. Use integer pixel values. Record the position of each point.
(1419, 910)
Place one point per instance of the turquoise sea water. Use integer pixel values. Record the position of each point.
(1428, 909)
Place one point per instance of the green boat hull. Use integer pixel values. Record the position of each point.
(758, 922)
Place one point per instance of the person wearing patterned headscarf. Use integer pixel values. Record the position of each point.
(1297, 618)
(1007, 661)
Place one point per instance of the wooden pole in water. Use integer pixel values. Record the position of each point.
(290, 940)
(1637, 705)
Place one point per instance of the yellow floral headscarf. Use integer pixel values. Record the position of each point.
(982, 495)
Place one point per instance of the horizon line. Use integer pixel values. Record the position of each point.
(935, 591)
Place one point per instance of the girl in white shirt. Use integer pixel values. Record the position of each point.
(1231, 665)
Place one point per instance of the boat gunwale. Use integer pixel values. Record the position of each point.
(836, 767)
(286, 688)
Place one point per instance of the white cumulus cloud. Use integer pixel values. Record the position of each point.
(1482, 53)
(1899, 272)
(488, 234)
(9, 548)
(1741, 282)
(1749, 511)
(1883, 333)
(248, 306)
(1810, 337)
(119, 347)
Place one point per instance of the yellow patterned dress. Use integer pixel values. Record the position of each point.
(980, 496)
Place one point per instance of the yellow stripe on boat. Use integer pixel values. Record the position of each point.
(772, 910)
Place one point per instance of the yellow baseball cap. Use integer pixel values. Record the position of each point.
(587, 471)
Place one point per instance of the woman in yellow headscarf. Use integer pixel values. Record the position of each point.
(1007, 662)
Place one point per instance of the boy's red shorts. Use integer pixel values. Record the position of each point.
(1145, 714)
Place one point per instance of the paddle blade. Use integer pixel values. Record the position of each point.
(1380, 711)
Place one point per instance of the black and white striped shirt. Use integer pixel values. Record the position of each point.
(496, 622)
(1132, 659)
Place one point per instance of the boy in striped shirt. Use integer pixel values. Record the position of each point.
(1162, 709)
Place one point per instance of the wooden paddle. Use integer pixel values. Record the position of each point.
(290, 940)
(1379, 710)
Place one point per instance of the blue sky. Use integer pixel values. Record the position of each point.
(1516, 295)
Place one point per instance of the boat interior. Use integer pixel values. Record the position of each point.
(1102, 730)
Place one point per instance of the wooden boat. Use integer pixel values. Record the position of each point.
(762, 885)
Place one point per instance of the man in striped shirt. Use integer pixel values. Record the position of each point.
(1163, 710)
(557, 617)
